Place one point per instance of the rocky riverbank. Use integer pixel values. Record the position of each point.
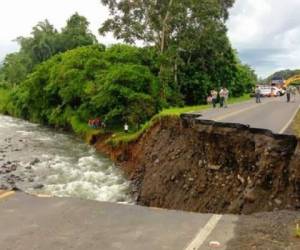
(212, 167)
(38, 160)
(13, 173)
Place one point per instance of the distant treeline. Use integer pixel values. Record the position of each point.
(65, 78)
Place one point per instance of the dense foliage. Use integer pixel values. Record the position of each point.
(191, 42)
(114, 84)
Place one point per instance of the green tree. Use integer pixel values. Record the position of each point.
(14, 68)
(76, 33)
(170, 25)
(45, 41)
(245, 80)
(41, 45)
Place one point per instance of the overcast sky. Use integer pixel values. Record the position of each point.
(265, 32)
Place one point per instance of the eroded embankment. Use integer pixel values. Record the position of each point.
(212, 167)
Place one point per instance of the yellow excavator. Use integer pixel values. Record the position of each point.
(291, 80)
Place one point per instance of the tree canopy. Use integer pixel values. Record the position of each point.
(45, 41)
(89, 82)
(190, 37)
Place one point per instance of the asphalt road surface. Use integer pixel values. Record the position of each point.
(274, 113)
(34, 223)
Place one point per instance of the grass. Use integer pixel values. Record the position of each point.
(296, 125)
(125, 138)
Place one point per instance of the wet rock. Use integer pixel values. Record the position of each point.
(13, 168)
(38, 186)
(35, 161)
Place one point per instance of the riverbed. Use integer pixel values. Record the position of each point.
(40, 160)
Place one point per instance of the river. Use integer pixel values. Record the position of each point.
(39, 160)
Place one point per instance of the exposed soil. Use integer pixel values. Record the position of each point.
(211, 167)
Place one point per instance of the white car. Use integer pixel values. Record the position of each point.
(269, 91)
(277, 91)
(266, 91)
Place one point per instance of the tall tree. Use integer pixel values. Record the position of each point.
(157, 22)
(163, 23)
(45, 41)
(76, 33)
(41, 45)
(14, 68)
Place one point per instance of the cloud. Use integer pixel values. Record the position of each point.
(266, 34)
(17, 17)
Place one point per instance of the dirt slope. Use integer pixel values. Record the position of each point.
(212, 167)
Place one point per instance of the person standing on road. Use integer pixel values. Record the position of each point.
(293, 93)
(222, 97)
(288, 94)
(226, 96)
(209, 99)
(214, 96)
(257, 94)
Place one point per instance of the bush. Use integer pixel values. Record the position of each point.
(88, 82)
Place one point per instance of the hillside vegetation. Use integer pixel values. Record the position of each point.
(282, 74)
(89, 82)
(65, 78)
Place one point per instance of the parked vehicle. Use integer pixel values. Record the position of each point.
(277, 91)
(270, 91)
(266, 91)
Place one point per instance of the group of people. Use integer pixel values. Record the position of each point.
(96, 123)
(223, 97)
